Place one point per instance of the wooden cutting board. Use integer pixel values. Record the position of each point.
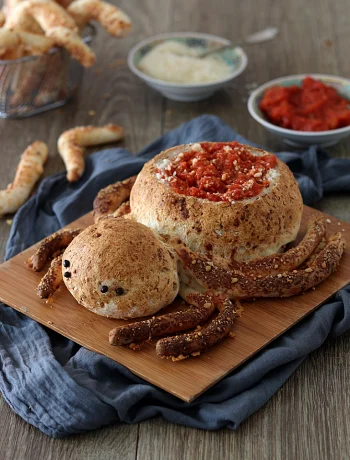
(261, 322)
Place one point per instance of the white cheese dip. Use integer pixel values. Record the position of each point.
(175, 62)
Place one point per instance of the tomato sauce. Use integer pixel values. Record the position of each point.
(220, 171)
(312, 107)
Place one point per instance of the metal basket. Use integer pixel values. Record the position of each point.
(34, 84)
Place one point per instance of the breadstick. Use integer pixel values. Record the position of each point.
(70, 40)
(115, 21)
(71, 145)
(50, 246)
(2, 17)
(52, 280)
(9, 41)
(36, 16)
(29, 169)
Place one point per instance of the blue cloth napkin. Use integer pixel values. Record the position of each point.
(62, 388)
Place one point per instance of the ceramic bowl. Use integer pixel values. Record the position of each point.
(301, 138)
(235, 58)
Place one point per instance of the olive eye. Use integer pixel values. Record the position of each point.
(67, 274)
(66, 263)
(104, 289)
(119, 291)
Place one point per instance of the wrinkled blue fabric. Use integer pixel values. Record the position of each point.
(62, 388)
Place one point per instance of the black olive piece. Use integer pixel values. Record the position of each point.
(66, 263)
(119, 291)
(67, 274)
(104, 289)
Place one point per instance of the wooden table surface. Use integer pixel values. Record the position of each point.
(309, 417)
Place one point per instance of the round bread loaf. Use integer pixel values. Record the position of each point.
(120, 269)
(241, 230)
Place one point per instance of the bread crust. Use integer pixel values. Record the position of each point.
(242, 231)
(137, 270)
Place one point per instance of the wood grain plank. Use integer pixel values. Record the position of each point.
(21, 441)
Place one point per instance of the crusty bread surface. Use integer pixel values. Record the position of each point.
(240, 231)
(120, 269)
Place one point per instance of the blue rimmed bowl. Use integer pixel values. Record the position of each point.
(301, 138)
(235, 58)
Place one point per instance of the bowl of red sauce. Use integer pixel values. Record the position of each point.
(304, 109)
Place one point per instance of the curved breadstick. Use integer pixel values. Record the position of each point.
(35, 44)
(71, 145)
(286, 261)
(109, 199)
(52, 279)
(23, 43)
(185, 345)
(289, 260)
(277, 263)
(202, 307)
(29, 14)
(70, 40)
(115, 21)
(242, 286)
(8, 41)
(30, 168)
(2, 17)
(49, 246)
(43, 16)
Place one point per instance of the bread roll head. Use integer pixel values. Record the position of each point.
(120, 269)
(242, 230)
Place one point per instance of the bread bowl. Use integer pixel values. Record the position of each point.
(241, 230)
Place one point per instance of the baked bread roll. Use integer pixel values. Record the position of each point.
(242, 229)
(120, 269)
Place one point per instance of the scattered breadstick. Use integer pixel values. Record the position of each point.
(115, 21)
(71, 145)
(29, 169)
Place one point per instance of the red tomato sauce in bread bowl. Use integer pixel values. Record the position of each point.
(219, 171)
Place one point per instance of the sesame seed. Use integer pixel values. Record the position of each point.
(234, 280)
(324, 265)
(328, 221)
(208, 268)
(194, 261)
(207, 305)
(309, 270)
